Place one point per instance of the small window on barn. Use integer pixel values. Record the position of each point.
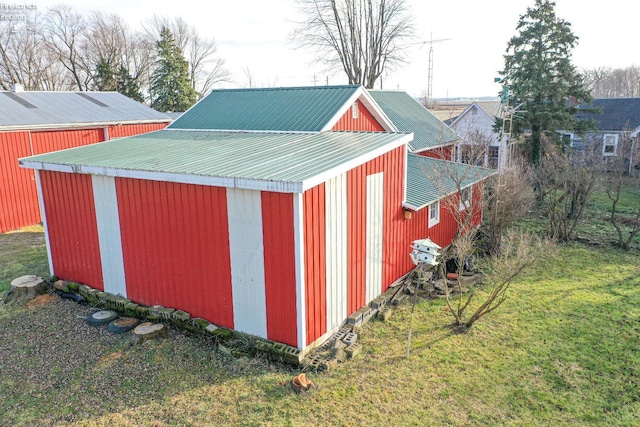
(354, 110)
(434, 214)
(494, 156)
(465, 198)
(609, 144)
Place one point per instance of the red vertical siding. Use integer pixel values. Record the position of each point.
(279, 267)
(175, 242)
(365, 121)
(72, 227)
(47, 141)
(442, 233)
(315, 262)
(356, 230)
(18, 195)
(121, 131)
(394, 250)
(392, 165)
(442, 153)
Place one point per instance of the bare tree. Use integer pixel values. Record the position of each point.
(65, 35)
(24, 57)
(604, 82)
(364, 38)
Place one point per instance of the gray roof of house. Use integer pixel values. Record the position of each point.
(429, 180)
(288, 109)
(408, 115)
(619, 114)
(286, 162)
(27, 110)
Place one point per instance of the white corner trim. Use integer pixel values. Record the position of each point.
(43, 215)
(301, 307)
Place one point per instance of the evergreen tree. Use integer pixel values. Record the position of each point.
(540, 78)
(127, 85)
(105, 78)
(171, 88)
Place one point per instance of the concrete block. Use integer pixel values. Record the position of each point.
(384, 315)
(102, 297)
(317, 363)
(278, 348)
(83, 290)
(222, 333)
(380, 301)
(292, 355)
(264, 346)
(350, 338)
(353, 350)
(131, 308)
(180, 317)
(211, 328)
(359, 317)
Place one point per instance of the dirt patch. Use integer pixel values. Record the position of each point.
(109, 359)
(42, 301)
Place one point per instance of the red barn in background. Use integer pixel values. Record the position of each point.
(35, 123)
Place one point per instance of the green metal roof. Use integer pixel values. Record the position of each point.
(291, 109)
(408, 115)
(286, 162)
(429, 180)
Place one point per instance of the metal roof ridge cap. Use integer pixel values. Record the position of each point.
(243, 131)
(378, 111)
(79, 125)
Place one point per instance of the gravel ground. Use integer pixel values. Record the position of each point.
(57, 370)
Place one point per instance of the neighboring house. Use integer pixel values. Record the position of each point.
(275, 212)
(33, 123)
(618, 126)
(481, 144)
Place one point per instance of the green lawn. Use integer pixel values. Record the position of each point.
(564, 349)
(22, 253)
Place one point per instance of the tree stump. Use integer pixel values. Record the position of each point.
(148, 331)
(301, 383)
(26, 288)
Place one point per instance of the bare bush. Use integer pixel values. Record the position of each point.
(565, 182)
(509, 196)
(519, 250)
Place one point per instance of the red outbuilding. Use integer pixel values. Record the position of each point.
(275, 212)
(34, 123)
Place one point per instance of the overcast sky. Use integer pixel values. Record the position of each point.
(253, 35)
